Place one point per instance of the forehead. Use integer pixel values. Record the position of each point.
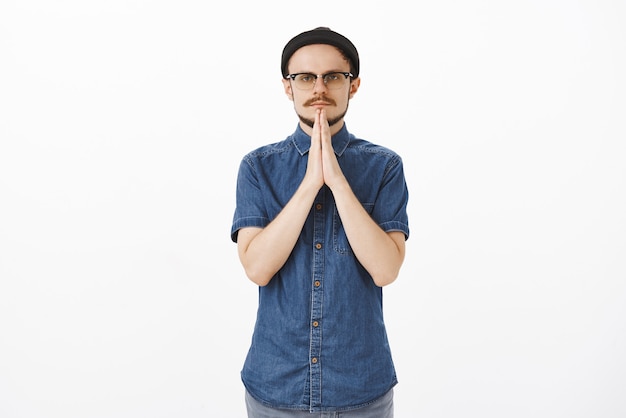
(318, 58)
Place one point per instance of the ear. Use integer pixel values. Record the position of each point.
(288, 90)
(354, 86)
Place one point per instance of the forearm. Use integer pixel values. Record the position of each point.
(380, 253)
(264, 251)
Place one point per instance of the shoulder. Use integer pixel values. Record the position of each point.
(368, 147)
(269, 149)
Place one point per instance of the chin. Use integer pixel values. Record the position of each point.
(331, 121)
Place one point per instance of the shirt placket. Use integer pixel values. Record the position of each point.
(317, 298)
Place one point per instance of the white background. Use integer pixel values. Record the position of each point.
(122, 124)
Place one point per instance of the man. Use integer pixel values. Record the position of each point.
(320, 225)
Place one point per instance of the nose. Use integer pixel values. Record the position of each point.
(319, 86)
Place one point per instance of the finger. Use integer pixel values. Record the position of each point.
(323, 119)
(316, 124)
(325, 127)
(317, 127)
(316, 135)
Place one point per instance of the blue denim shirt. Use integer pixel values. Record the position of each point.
(319, 341)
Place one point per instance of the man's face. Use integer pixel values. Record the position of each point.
(320, 59)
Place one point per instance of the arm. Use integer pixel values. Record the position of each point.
(263, 251)
(380, 253)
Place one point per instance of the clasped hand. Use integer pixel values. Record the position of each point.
(323, 167)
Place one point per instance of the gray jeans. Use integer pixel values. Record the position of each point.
(382, 408)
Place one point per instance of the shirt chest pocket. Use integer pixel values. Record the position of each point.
(340, 239)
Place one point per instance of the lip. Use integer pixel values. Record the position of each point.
(320, 104)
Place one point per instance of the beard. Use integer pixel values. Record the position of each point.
(331, 122)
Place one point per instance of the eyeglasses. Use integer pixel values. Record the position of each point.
(306, 81)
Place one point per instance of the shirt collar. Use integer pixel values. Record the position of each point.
(302, 140)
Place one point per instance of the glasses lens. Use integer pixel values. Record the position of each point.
(305, 81)
(334, 80)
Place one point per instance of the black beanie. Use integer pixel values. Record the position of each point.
(321, 35)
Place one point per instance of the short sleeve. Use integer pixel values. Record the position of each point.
(249, 209)
(390, 210)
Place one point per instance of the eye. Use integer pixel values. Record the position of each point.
(306, 78)
(333, 76)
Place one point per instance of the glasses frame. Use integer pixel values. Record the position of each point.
(293, 76)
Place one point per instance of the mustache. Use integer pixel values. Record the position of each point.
(319, 99)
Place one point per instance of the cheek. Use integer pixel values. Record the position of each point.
(298, 98)
(343, 101)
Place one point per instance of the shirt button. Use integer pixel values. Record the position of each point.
(314, 360)
(315, 324)
(318, 206)
(318, 245)
(317, 283)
